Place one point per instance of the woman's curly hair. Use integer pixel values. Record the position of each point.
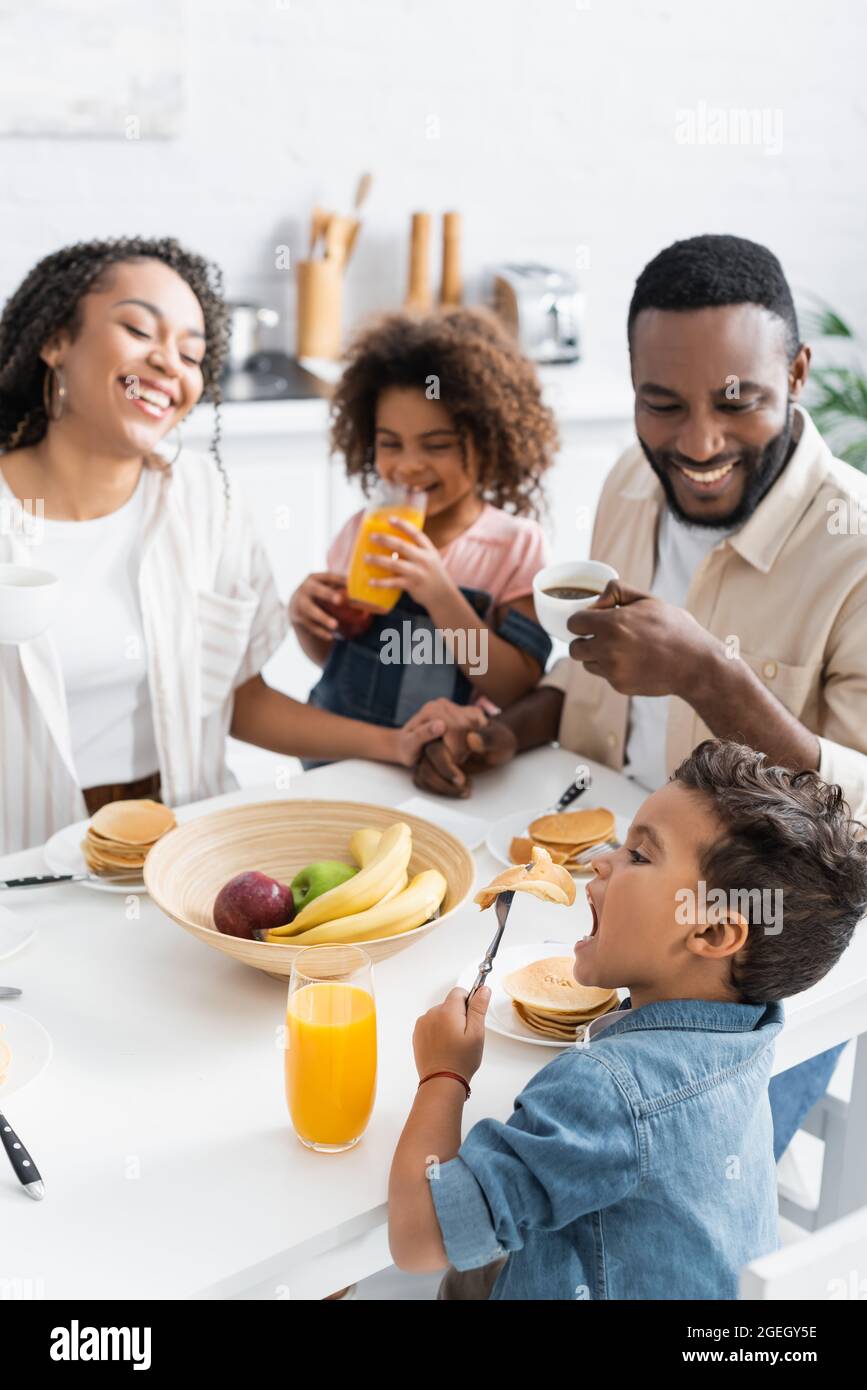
(49, 300)
(490, 390)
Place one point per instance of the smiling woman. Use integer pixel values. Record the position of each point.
(167, 609)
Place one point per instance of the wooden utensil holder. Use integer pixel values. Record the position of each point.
(319, 309)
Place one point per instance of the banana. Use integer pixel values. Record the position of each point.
(363, 844)
(393, 892)
(400, 913)
(364, 890)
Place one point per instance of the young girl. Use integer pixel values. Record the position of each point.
(445, 404)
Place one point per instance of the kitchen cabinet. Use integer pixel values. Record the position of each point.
(276, 454)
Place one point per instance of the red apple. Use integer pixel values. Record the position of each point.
(252, 902)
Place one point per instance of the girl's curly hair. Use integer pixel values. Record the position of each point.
(490, 390)
(49, 300)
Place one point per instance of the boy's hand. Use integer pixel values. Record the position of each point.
(450, 1037)
(418, 568)
(305, 605)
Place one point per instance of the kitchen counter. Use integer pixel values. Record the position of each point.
(577, 394)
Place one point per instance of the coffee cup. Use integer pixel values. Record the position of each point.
(28, 598)
(580, 583)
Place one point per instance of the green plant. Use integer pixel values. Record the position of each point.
(838, 392)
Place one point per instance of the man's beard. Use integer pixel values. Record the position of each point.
(762, 468)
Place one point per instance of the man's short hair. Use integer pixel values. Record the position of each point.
(705, 272)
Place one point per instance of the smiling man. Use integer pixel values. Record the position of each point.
(741, 609)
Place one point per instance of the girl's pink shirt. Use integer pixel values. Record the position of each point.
(499, 553)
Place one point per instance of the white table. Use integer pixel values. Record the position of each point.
(161, 1129)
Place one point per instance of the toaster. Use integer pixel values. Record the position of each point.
(542, 307)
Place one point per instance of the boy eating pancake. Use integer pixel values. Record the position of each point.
(639, 1163)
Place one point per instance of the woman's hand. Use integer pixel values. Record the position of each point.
(454, 717)
(451, 1037)
(414, 564)
(305, 605)
(407, 743)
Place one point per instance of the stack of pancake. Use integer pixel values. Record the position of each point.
(548, 999)
(565, 836)
(121, 834)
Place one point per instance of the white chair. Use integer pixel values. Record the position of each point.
(840, 1122)
(830, 1264)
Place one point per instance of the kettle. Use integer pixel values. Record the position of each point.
(245, 321)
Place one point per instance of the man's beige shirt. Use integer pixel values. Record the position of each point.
(787, 592)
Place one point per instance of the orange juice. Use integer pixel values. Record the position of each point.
(330, 1062)
(360, 572)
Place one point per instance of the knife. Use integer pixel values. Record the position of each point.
(45, 880)
(25, 1169)
(8, 992)
(504, 902)
(577, 787)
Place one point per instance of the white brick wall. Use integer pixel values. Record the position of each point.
(557, 130)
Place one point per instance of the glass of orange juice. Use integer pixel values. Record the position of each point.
(330, 1046)
(386, 500)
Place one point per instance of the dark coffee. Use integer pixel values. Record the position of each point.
(570, 591)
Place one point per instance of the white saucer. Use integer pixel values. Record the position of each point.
(14, 934)
(31, 1049)
(62, 854)
(502, 832)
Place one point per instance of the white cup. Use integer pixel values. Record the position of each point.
(28, 598)
(554, 613)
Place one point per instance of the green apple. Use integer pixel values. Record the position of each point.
(317, 879)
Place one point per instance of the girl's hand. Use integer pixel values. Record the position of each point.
(305, 605)
(450, 1037)
(418, 567)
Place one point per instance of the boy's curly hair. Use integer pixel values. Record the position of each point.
(787, 831)
(490, 390)
(49, 299)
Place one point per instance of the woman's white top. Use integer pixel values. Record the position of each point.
(99, 636)
(209, 617)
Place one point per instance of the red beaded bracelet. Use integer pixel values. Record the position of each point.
(453, 1074)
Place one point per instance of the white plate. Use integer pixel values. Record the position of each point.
(470, 830)
(31, 1049)
(502, 832)
(62, 853)
(13, 933)
(501, 1017)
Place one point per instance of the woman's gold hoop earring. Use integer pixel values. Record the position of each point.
(54, 392)
(180, 444)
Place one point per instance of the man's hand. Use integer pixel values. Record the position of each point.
(451, 1037)
(640, 644)
(446, 764)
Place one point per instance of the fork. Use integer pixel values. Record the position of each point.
(504, 902)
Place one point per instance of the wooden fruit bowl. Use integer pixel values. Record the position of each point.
(186, 869)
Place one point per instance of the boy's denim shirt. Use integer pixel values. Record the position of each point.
(636, 1165)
